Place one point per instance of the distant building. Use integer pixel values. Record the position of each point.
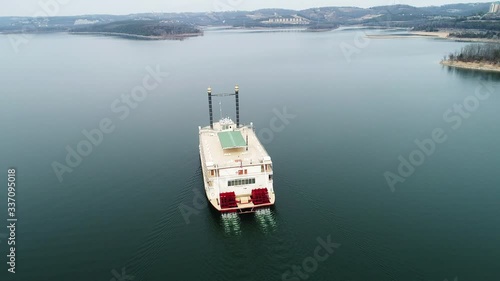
(495, 8)
(85, 21)
(287, 20)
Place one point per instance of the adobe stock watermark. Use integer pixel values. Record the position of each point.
(455, 117)
(310, 264)
(121, 277)
(361, 39)
(122, 108)
(227, 5)
(46, 8)
(360, 42)
(277, 124)
(220, 6)
(199, 203)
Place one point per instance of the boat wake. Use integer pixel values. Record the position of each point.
(266, 220)
(231, 223)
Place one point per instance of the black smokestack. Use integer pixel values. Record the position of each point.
(210, 108)
(236, 93)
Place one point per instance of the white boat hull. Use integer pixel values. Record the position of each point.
(236, 179)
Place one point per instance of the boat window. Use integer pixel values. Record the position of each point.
(241, 182)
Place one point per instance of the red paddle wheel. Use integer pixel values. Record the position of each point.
(228, 200)
(260, 196)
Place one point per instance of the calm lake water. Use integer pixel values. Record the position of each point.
(118, 214)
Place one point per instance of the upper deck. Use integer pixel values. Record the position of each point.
(226, 146)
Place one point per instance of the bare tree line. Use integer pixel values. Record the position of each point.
(477, 53)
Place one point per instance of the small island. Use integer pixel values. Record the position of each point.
(483, 57)
(322, 27)
(141, 29)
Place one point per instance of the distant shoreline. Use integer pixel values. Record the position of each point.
(438, 34)
(480, 66)
(116, 34)
(141, 37)
(410, 34)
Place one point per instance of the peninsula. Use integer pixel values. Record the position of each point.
(483, 57)
(141, 29)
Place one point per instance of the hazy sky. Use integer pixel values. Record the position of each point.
(79, 7)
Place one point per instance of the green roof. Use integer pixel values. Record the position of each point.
(231, 139)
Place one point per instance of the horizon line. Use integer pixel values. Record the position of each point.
(226, 11)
